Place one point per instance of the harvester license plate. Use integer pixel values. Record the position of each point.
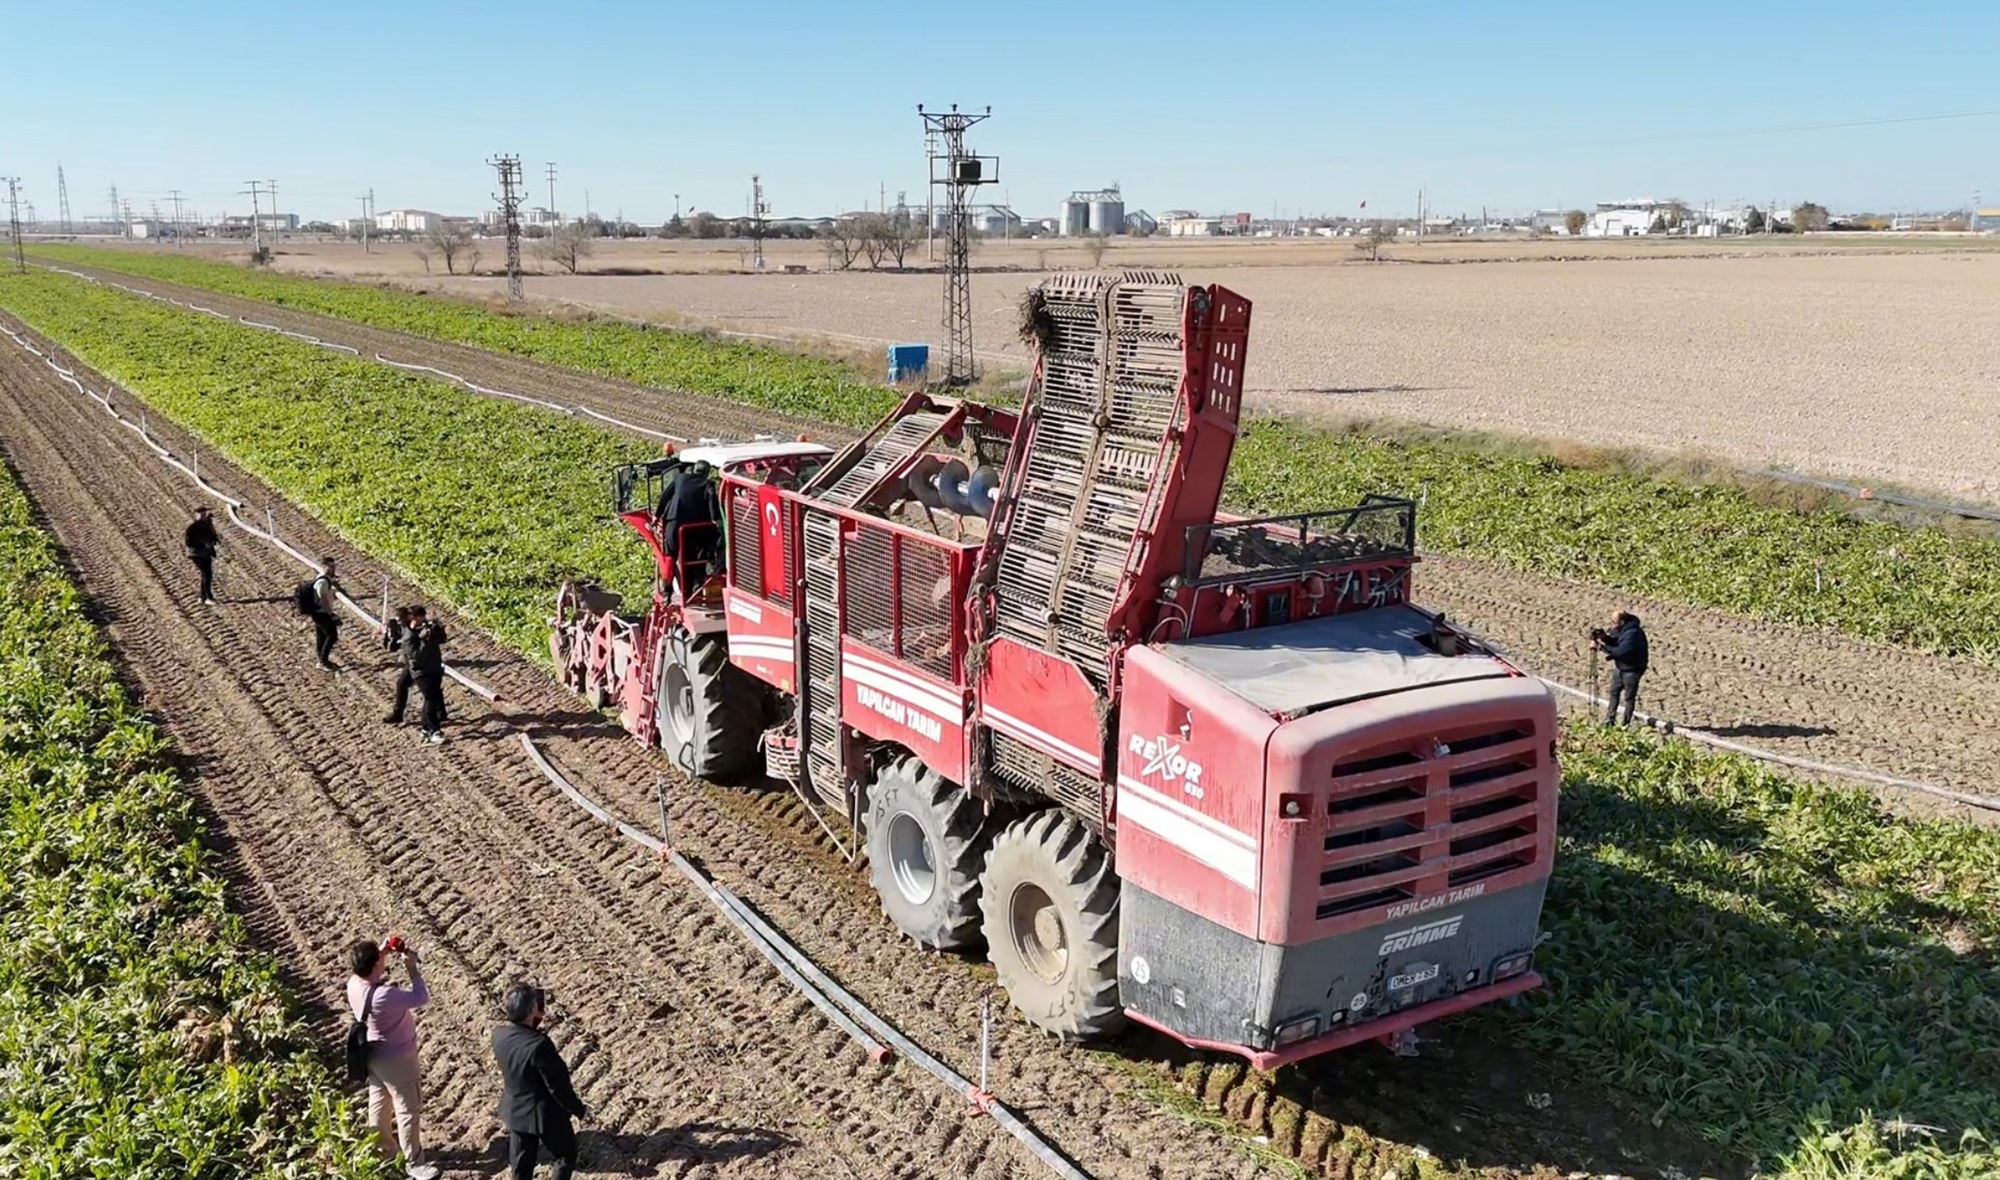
(1398, 983)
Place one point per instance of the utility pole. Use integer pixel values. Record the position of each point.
(758, 209)
(963, 173)
(14, 221)
(552, 195)
(272, 190)
(256, 218)
(509, 198)
(367, 216)
(62, 198)
(174, 195)
(114, 204)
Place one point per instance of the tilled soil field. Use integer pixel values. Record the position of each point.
(698, 1058)
(1808, 694)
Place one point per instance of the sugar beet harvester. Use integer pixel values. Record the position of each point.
(1216, 775)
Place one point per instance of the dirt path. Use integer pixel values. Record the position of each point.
(1808, 694)
(698, 1058)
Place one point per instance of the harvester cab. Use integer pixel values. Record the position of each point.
(1217, 775)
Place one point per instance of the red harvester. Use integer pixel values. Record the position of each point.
(1216, 775)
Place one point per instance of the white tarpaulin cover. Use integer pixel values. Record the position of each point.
(1294, 667)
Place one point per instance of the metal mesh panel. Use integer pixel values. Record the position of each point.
(746, 541)
(1374, 530)
(1036, 772)
(870, 569)
(925, 592)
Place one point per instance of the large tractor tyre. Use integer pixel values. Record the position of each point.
(708, 711)
(927, 840)
(1050, 902)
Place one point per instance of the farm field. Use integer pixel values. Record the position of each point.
(1655, 830)
(1855, 359)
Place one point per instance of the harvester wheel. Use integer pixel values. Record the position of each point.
(707, 709)
(927, 839)
(1050, 901)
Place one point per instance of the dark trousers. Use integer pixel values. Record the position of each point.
(402, 701)
(205, 562)
(326, 629)
(1625, 686)
(524, 1147)
(430, 686)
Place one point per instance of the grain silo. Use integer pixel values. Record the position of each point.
(1107, 212)
(1075, 216)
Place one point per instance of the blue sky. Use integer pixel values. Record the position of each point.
(1216, 105)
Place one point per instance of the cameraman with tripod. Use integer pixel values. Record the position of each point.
(1625, 646)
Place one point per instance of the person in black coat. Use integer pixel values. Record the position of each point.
(537, 1100)
(420, 641)
(201, 543)
(1625, 646)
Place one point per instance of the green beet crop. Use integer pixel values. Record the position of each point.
(1782, 969)
(487, 503)
(807, 387)
(1706, 545)
(140, 1035)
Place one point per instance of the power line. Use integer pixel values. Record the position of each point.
(14, 221)
(509, 168)
(963, 172)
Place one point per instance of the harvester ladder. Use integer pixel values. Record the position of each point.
(825, 765)
(1086, 495)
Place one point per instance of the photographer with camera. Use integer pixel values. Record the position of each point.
(537, 1100)
(1625, 646)
(388, 1013)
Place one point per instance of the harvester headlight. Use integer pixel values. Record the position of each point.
(1292, 1032)
(1512, 965)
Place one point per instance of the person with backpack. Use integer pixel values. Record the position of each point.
(421, 642)
(201, 543)
(317, 599)
(382, 1048)
(537, 1099)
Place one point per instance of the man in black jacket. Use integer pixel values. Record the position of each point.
(537, 1100)
(201, 543)
(1625, 646)
(421, 643)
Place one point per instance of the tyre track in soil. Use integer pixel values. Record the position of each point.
(350, 830)
(1805, 693)
(486, 866)
(766, 847)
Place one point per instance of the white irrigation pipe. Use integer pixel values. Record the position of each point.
(792, 962)
(1705, 738)
(232, 504)
(570, 411)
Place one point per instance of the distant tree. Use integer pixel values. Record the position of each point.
(1379, 235)
(568, 246)
(843, 240)
(1659, 225)
(1095, 245)
(1753, 221)
(423, 253)
(1809, 218)
(449, 243)
(1574, 221)
(706, 225)
(900, 232)
(674, 228)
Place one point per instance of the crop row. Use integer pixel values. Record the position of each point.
(1708, 545)
(1768, 964)
(140, 1035)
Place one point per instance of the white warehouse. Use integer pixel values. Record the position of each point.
(407, 221)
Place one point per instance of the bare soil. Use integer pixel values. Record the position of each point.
(698, 1057)
(1854, 356)
(1809, 694)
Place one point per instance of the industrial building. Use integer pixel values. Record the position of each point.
(1092, 212)
(407, 221)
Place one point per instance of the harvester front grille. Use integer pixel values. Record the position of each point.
(1405, 823)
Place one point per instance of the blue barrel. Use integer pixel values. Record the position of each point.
(908, 362)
